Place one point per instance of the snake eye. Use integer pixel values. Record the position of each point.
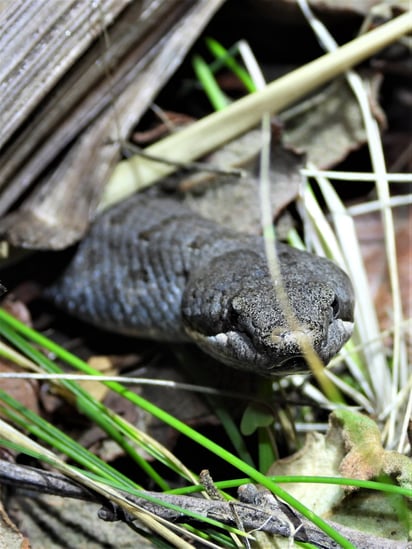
(233, 315)
(335, 307)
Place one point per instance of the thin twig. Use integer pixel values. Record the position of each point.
(257, 511)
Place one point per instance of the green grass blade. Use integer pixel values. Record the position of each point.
(89, 406)
(217, 98)
(226, 58)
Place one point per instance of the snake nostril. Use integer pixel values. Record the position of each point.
(335, 307)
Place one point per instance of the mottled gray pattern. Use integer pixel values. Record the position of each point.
(152, 268)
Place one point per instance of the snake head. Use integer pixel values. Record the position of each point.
(235, 312)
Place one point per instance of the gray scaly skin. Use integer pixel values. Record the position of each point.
(154, 269)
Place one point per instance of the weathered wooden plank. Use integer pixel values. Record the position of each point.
(40, 40)
(60, 209)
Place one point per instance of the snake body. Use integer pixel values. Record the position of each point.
(152, 268)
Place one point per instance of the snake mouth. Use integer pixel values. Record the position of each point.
(295, 364)
(339, 332)
(235, 349)
(238, 350)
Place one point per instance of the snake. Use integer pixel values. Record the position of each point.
(152, 268)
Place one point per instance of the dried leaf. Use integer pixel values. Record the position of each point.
(352, 448)
(320, 456)
(97, 389)
(242, 193)
(24, 391)
(366, 458)
(371, 236)
(328, 125)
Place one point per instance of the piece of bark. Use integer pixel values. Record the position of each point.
(59, 211)
(40, 41)
(83, 92)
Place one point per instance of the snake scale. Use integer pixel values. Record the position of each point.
(152, 268)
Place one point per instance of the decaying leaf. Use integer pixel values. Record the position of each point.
(25, 391)
(210, 195)
(320, 456)
(365, 456)
(352, 448)
(369, 228)
(104, 365)
(329, 125)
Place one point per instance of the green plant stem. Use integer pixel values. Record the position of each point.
(341, 481)
(226, 58)
(217, 98)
